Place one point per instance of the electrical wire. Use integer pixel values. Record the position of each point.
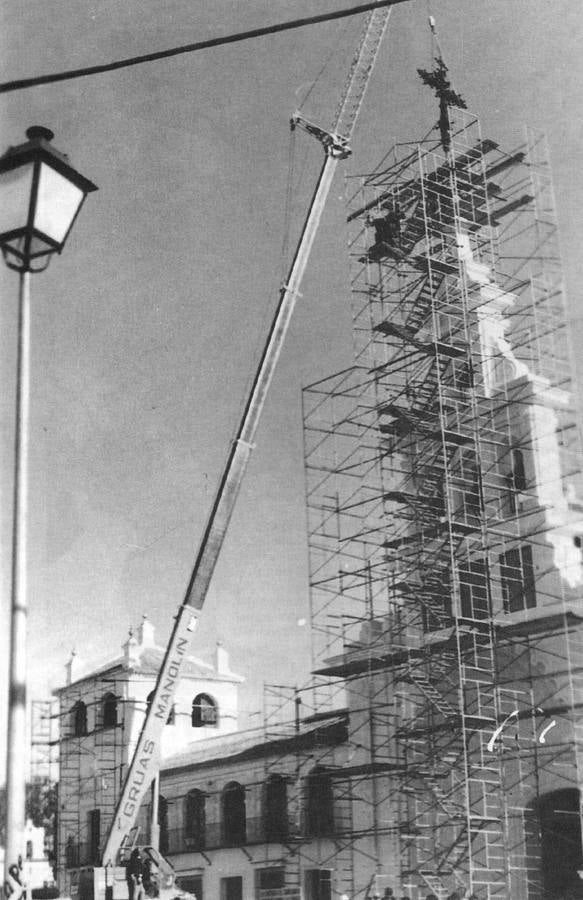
(23, 83)
(323, 68)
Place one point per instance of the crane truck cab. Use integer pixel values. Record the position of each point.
(111, 883)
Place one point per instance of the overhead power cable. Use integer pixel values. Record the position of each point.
(22, 83)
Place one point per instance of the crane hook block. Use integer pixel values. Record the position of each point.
(334, 144)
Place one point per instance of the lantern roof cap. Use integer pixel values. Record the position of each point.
(39, 147)
(39, 131)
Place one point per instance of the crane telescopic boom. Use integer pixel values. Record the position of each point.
(145, 761)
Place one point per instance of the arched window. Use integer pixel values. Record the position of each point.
(560, 851)
(171, 720)
(234, 815)
(71, 853)
(195, 820)
(109, 711)
(204, 711)
(275, 819)
(319, 803)
(516, 478)
(79, 719)
(94, 832)
(518, 578)
(163, 823)
(518, 470)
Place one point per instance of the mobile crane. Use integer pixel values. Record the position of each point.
(108, 881)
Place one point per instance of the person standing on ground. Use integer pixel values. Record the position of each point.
(135, 876)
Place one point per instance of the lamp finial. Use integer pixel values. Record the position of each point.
(39, 131)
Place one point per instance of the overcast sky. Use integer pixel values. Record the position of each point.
(146, 331)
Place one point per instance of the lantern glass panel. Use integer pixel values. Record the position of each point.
(15, 188)
(57, 204)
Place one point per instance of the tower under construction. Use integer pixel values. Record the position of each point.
(445, 530)
(437, 753)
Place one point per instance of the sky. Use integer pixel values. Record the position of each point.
(146, 331)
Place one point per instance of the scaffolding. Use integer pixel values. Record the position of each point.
(44, 763)
(314, 849)
(443, 486)
(441, 732)
(43, 741)
(93, 755)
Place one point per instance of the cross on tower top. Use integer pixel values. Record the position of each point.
(438, 80)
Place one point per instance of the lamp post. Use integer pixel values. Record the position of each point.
(40, 198)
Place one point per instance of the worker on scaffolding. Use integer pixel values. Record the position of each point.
(387, 233)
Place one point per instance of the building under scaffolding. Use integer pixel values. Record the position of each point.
(445, 531)
(101, 712)
(437, 753)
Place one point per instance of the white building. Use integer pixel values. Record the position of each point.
(101, 714)
(37, 872)
(253, 814)
(237, 827)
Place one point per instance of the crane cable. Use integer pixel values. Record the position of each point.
(296, 169)
(323, 67)
(288, 203)
(436, 50)
(23, 83)
(434, 39)
(293, 187)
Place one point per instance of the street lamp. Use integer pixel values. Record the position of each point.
(40, 198)
(41, 195)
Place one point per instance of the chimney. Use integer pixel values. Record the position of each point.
(72, 667)
(146, 633)
(221, 660)
(131, 650)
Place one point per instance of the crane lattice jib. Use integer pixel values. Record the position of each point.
(360, 71)
(146, 758)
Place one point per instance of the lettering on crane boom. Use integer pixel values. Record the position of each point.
(147, 753)
(164, 701)
(139, 777)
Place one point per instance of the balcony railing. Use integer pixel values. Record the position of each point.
(177, 840)
(214, 838)
(80, 855)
